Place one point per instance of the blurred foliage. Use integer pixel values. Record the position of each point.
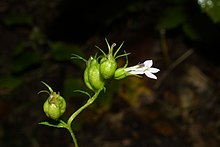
(212, 8)
(10, 82)
(172, 18)
(18, 19)
(187, 16)
(34, 53)
(71, 84)
(61, 51)
(25, 60)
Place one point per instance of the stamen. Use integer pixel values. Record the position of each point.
(141, 65)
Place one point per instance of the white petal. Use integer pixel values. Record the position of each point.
(136, 72)
(150, 75)
(131, 68)
(153, 70)
(148, 63)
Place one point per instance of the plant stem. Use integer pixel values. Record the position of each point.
(73, 136)
(76, 113)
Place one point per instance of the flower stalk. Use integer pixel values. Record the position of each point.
(76, 113)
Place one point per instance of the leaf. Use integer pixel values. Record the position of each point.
(212, 8)
(61, 124)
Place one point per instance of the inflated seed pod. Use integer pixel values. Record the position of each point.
(86, 76)
(94, 76)
(108, 67)
(55, 105)
(108, 63)
(103, 59)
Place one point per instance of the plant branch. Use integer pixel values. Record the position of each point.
(76, 113)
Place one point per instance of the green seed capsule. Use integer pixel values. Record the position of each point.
(95, 79)
(103, 59)
(86, 76)
(108, 63)
(55, 105)
(108, 67)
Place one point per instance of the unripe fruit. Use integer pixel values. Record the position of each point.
(54, 106)
(86, 76)
(94, 77)
(108, 67)
(108, 63)
(103, 59)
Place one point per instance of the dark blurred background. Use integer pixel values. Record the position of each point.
(181, 108)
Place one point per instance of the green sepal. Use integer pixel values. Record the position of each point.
(50, 89)
(83, 92)
(120, 73)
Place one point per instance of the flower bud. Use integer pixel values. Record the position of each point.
(120, 73)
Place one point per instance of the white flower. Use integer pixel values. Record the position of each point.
(143, 68)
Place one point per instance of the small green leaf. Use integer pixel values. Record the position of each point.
(61, 124)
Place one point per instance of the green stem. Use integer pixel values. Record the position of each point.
(73, 136)
(76, 113)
